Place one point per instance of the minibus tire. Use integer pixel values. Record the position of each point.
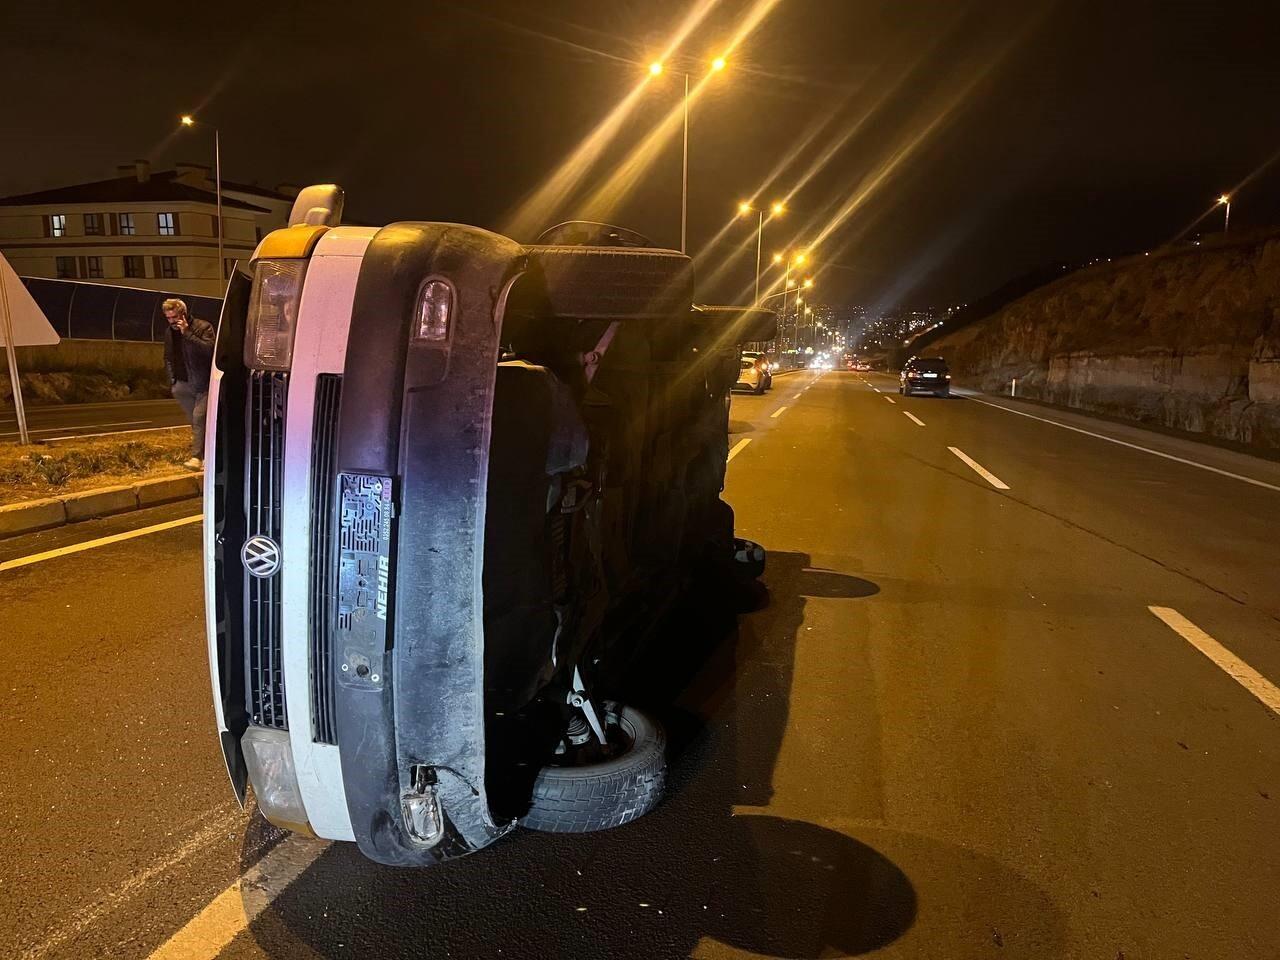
(604, 795)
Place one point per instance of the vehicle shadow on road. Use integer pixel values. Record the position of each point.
(698, 876)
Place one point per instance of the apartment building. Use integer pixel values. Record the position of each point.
(156, 231)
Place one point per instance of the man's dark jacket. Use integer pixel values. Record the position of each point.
(189, 355)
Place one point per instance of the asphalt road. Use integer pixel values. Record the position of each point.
(956, 729)
(92, 419)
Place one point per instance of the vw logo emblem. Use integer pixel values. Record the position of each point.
(260, 556)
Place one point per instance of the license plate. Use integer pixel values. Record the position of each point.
(930, 374)
(364, 570)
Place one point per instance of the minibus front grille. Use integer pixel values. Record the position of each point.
(264, 481)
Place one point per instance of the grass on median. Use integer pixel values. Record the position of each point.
(69, 466)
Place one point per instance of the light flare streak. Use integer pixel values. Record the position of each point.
(541, 206)
(615, 189)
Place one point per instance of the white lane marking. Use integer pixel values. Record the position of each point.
(796, 397)
(876, 389)
(230, 913)
(77, 407)
(115, 433)
(913, 418)
(737, 448)
(101, 542)
(87, 426)
(979, 469)
(225, 819)
(891, 400)
(1132, 446)
(777, 413)
(1231, 665)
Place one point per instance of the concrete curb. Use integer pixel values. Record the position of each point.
(20, 518)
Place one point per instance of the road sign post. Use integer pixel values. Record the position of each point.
(22, 323)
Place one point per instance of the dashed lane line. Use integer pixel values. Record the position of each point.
(777, 413)
(100, 542)
(1131, 446)
(1228, 662)
(913, 418)
(891, 400)
(979, 469)
(737, 448)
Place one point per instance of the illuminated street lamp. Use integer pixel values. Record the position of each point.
(655, 69)
(189, 121)
(1225, 200)
(776, 209)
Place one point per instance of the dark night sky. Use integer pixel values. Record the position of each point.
(975, 140)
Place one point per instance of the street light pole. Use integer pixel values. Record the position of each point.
(759, 241)
(1225, 200)
(684, 174)
(217, 182)
(189, 121)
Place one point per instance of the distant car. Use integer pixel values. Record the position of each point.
(763, 363)
(751, 376)
(925, 374)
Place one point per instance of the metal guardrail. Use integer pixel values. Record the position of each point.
(101, 311)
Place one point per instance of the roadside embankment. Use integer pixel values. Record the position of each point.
(88, 371)
(1187, 338)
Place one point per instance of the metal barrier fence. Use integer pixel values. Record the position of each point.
(99, 311)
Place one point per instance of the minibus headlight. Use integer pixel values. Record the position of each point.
(273, 313)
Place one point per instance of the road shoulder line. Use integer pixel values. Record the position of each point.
(100, 542)
(1132, 446)
(209, 932)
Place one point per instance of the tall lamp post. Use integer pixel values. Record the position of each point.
(775, 210)
(655, 69)
(1225, 200)
(189, 121)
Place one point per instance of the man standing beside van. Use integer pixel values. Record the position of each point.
(188, 357)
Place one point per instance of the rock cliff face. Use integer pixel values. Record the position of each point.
(1186, 338)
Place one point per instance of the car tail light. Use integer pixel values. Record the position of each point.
(433, 311)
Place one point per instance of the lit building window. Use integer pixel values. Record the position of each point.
(127, 229)
(57, 225)
(167, 223)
